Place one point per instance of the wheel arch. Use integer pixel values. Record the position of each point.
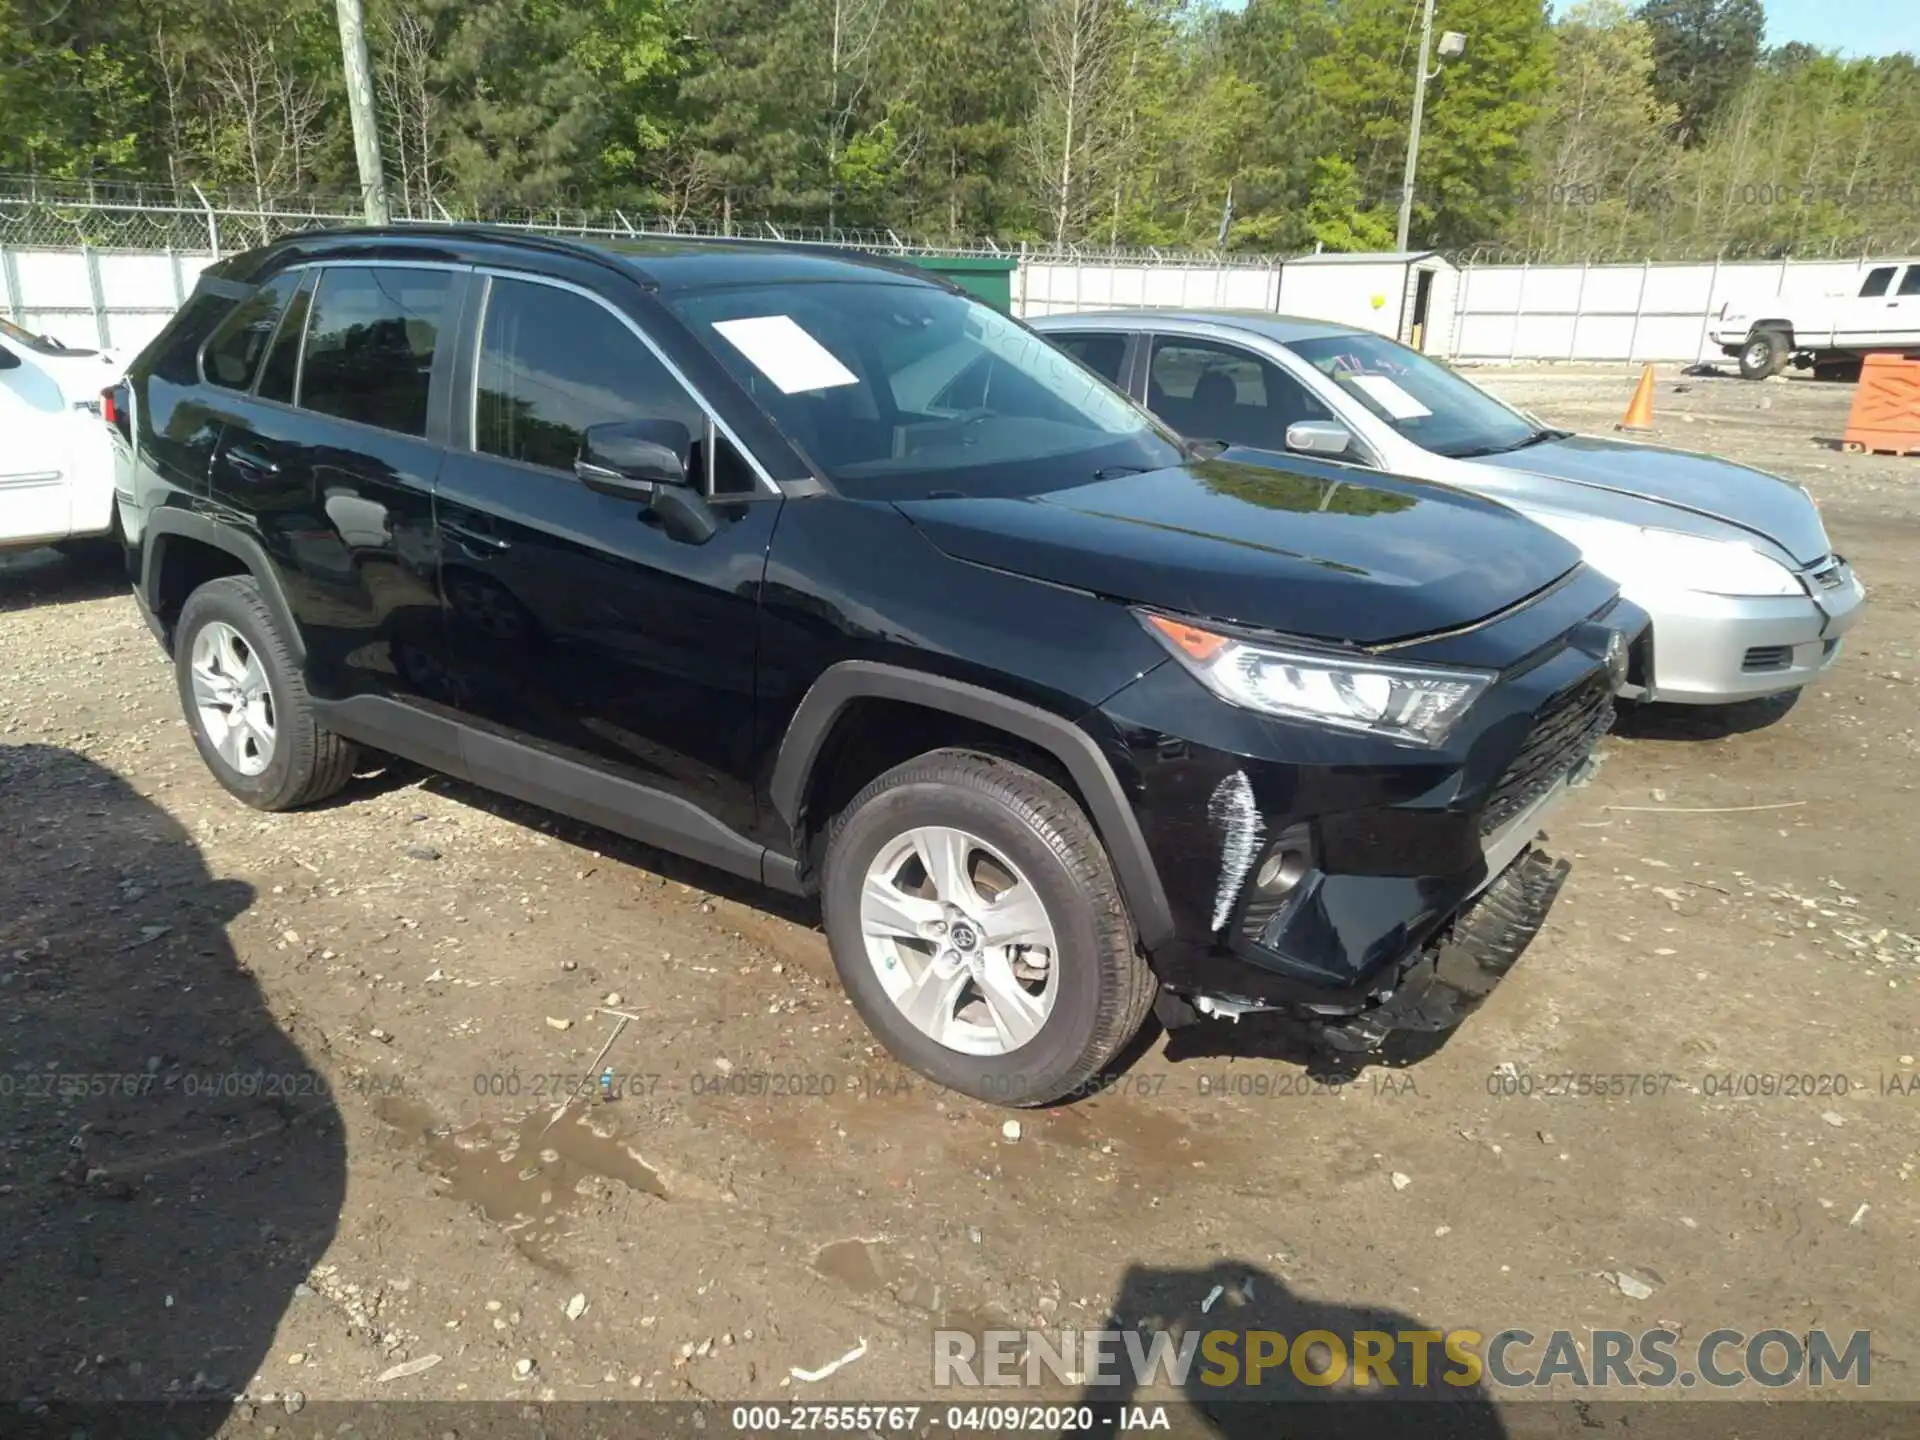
(835, 696)
(1777, 324)
(181, 551)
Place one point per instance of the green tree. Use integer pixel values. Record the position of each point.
(73, 98)
(1272, 47)
(1703, 51)
(1337, 213)
(1601, 167)
(1473, 151)
(958, 109)
(527, 112)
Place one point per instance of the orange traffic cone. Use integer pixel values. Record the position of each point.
(1639, 414)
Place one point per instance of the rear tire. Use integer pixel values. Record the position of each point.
(1014, 824)
(1764, 354)
(247, 705)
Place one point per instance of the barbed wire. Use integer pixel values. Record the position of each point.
(1682, 252)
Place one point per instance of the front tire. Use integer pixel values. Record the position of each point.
(1764, 354)
(247, 705)
(977, 928)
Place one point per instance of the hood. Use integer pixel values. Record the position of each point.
(1751, 500)
(1313, 550)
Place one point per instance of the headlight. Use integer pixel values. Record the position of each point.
(1668, 560)
(1414, 703)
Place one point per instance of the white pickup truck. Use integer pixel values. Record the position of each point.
(1827, 331)
(56, 460)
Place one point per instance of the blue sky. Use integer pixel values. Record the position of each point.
(1856, 27)
(1853, 27)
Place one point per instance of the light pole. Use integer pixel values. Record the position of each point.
(1452, 43)
(366, 130)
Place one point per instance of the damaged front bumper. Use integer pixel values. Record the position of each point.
(1362, 886)
(1439, 983)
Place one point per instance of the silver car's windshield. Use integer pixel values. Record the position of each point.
(1427, 403)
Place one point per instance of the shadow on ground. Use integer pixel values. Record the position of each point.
(56, 577)
(1241, 1298)
(171, 1163)
(1702, 722)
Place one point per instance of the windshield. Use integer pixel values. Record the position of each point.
(1427, 403)
(899, 391)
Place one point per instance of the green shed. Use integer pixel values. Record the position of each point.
(986, 277)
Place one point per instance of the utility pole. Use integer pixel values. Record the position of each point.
(1452, 43)
(1413, 135)
(366, 133)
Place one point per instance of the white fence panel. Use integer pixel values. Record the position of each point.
(1068, 287)
(1650, 312)
(96, 299)
(1625, 312)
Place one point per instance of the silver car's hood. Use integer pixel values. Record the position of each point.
(1753, 500)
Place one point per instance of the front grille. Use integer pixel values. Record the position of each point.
(1767, 657)
(1565, 730)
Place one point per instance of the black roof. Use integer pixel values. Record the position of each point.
(667, 263)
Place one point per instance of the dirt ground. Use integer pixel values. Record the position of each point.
(424, 971)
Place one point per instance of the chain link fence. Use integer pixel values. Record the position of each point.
(136, 217)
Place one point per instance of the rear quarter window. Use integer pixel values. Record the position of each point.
(174, 354)
(233, 353)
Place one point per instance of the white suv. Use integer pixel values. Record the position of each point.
(56, 465)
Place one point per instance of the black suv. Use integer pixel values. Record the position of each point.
(810, 567)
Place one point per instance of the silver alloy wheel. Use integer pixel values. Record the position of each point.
(960, 940)
(233, 698)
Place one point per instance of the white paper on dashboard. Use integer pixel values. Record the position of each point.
(785, 354)
(1395, 401)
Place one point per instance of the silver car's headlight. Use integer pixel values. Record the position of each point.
(1669, 560)
(1419, 704)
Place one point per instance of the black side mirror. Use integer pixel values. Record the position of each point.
(648, 462)
(628, 459)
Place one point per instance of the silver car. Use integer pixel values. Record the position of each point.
(1747, 597)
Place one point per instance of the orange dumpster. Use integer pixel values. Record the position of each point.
(1886, 407)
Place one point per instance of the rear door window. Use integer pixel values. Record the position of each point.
(1103, 352)
(370, 343)
(1877, 282)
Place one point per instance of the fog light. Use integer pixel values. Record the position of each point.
(1280, 872)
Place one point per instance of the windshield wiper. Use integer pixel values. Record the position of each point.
(1534, 439)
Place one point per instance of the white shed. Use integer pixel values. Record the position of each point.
(1407, 295)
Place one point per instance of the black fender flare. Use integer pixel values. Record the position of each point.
(1119, 829)
(165, 523)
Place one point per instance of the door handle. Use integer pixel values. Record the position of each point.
(475, 537)
(252, 460)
